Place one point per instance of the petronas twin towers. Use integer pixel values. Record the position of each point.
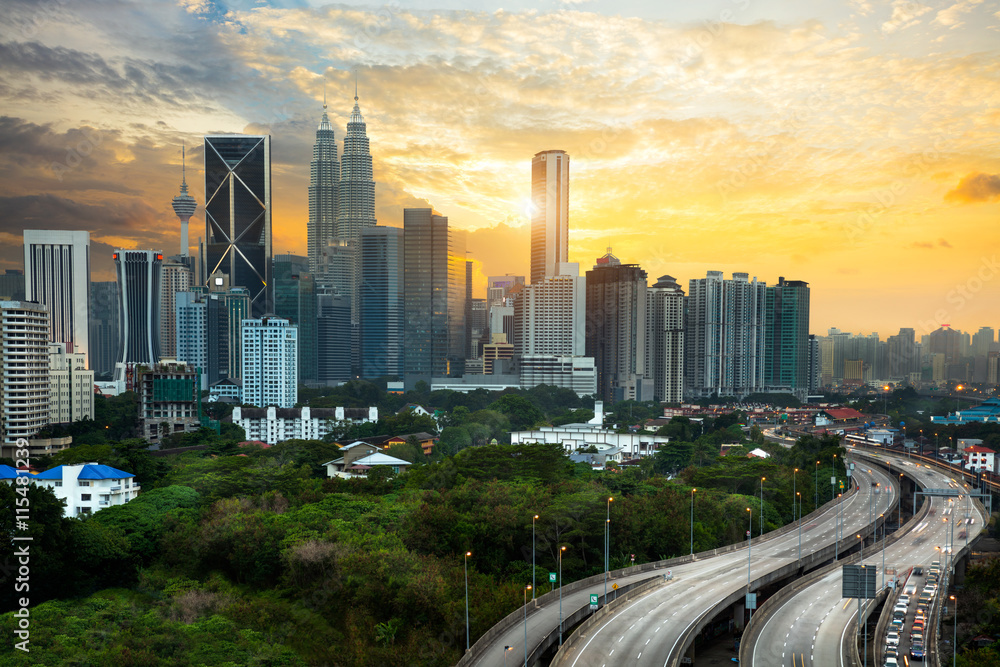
(341, 204)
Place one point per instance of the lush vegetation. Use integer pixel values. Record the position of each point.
(245, 555)
(978, 616)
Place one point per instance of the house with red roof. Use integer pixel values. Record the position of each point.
(979, 459)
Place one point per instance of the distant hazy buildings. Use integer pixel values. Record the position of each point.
(104, 327)
(295, 300)
(665, 339)
(238, 213)
(333, 350)
(616, 329)
(434, 296)
(57, 274)
(549, 212)
(139, 275)
(725, 337)
(324, 184)
(24, 351)
(270, 362)
(381, 301)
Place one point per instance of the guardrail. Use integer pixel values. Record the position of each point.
(517, 617)
(636, 591)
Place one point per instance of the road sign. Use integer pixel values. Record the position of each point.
(593, 601)
(614, 587)
(841, 485)
(748, 533)
(859, 581)
(751, 600)
(552, 577)
(833, 480)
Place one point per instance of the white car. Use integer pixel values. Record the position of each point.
(904, 599)
(891, 662)
(892, 639)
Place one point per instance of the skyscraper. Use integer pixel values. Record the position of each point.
(139, 276)
(381, 302)
(270, 362)
(295, 300)
(24, 352)
(787, 336)
(176, 278)
(356, 208)
(616, 329)
(550, 314)
(333, 348)
(104, 328)
(324, 195)
(57, 274)
(184, 207)
(549, 212)
(724, 336)
(665, 339)
(238, 213)
(434, 296)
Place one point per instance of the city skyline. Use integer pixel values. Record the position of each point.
(741, 138)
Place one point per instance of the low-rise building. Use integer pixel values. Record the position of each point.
(85, 488)
(988, 412)
(71, 385)
(273, 425)
(347, 467)
(576, 437)
(979, 459)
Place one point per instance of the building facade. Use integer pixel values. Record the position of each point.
(786, 332)
(295, 300)
(324, 195)
(724, 336)
(434, 295)
(549, 213)
(105, 340)
(176, 278)
(71, 386)
(616, 329)
(139, 291)
(550, 314)
(381, 301)
(270, 362)
(665, 339)
(24, 345)
(88, 487)
(168, 400)
(272, 425)
(238, 213)
(57, 274)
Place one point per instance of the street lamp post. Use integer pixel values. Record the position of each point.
(561, 550)
(833, 475)
(799, 498)
(954, 631)
(533, 519)
(505, 650)
(882, 516)
(816, 491)
(692, 521)
(467, 554)
(762, 506)
(749, 548)
(607, 548)
(899, 504)
(528, 588)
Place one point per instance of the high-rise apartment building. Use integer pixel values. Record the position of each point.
(191, 321)
(903, 356)
(168, 400)
(434, 296)
(139, 289)
(270, 363)
(104, 327)
(946, 341)
(333, 352)
(550, 314)
(549, 212)
(665, 339)
(24, 351)
(238, 213)
(381, 301)
(71, 386)
(176, 277)
(616, 330)
(57, 274)
(295, 300)
(815, 364)
(209, 330)
(786, 331)
(983, 341)
(324, 194)
(724, 337)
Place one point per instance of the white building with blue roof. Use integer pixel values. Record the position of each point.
(85, 488)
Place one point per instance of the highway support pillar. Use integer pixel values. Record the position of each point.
(739, 615)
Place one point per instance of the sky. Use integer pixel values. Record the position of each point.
(854, 145)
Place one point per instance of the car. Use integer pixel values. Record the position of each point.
(918, 571)
(892, 638)
(901, 608)
(896, 624)
(891, 662)
(905, 598)
(891, 652)
(917, 651)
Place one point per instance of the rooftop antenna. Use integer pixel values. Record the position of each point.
(324, 95)
(355, 85)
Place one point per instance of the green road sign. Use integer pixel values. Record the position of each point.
(552, 577)
(593, 598)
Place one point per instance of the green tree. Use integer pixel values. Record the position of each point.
(519, 410)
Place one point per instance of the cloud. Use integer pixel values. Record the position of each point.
(975, 187)
(950, 17)
(905, 14)
(944, 244)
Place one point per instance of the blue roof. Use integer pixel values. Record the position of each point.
(6, 472)
(90, 471)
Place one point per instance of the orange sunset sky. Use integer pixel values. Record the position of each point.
(854, 144)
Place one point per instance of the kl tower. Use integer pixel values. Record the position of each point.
(184, 207)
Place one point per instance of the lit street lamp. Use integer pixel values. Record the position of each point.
(533, 556)
(762, 505)
(799, 497)
(954, 632)
(561, 550)
(816, 491)
(467, 554)
(505, 650)
(528, 588)
(607, 548)
(749, 547)
(833, 475)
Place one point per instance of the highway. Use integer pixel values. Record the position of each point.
(648, 631)
(813, 627)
